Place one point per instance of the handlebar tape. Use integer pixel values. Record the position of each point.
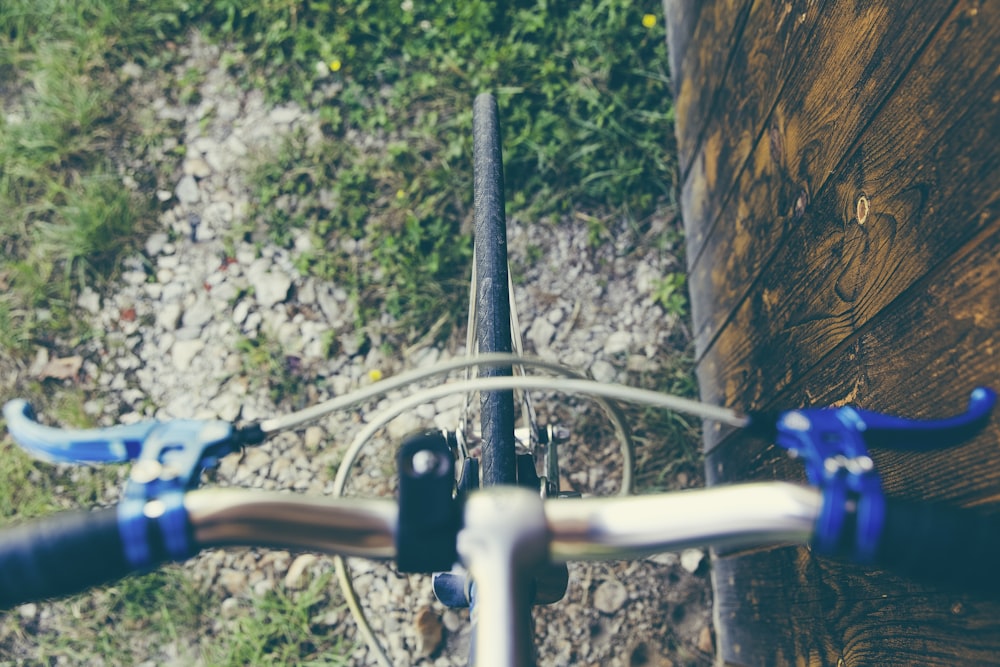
(959, 548)
(59, 555)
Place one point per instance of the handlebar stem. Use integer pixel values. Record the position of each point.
(502, 556)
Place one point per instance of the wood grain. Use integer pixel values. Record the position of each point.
(819, 612)
(700, 72)
(758, 70)
(921, 359)
(681, 17)
(927, 171)
(843, 212)
(853, 62)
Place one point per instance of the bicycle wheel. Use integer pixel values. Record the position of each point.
(492, 294)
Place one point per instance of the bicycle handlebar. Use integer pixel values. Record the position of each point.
(70, 552)
(60, 555)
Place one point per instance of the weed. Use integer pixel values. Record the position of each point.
(282, 628)
(266, 363)
(163, 606)
(671, 440)
(669, 292)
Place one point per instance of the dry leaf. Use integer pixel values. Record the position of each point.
(61, 369)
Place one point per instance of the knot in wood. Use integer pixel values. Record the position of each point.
(862, 208)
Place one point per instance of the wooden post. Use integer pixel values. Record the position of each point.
(840, 187)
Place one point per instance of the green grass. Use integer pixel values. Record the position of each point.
(164, 608)
(67, 216)
(265, 363)
(283, 628)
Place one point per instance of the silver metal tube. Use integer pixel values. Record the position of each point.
(345, 526)
(579, 529)
(739, 515)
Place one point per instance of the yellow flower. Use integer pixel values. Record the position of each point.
(335, 65)
(400, 194)
(375, 375)
(648, 21)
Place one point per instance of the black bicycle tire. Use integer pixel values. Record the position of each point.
(492, 294)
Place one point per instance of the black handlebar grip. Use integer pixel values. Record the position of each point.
(959, 548)
(59, 555)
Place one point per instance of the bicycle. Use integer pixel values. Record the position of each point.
(443, 517)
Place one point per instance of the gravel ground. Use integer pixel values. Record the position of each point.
(170, 350)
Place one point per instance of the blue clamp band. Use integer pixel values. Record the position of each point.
(171, 462)
(831, 444)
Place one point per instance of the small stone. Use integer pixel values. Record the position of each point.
(281, 469)
(705, 642)
(328, 618)
(541, 333)
(303, 243)
(285, 115)
(197, 167)
(163, 196)
(130, 70)
(219, 213)
(187, 190)
(638, 363)
(617, 343)
(28, 611)
(227, 407)
(89, 300)
(429, 631)
(452, 621)
(641, 653)
(610, 596)
(156, 243)
(691, 559)
(183, 352)
(40, 362)
(603, 371)
(307, 293)
(233, 582)
(134, 278)
(403, 425)
(63, 368)
(263, 587)
(255, 460)
(270, 286)
(230, 608)
(252, 323)
(295, 578)
(328, 305)
(240, 312)
(313, 438)
(198, 314)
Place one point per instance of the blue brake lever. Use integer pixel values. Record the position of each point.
(169, 458)
(833, 444)
(115, 444)
(901, 433)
